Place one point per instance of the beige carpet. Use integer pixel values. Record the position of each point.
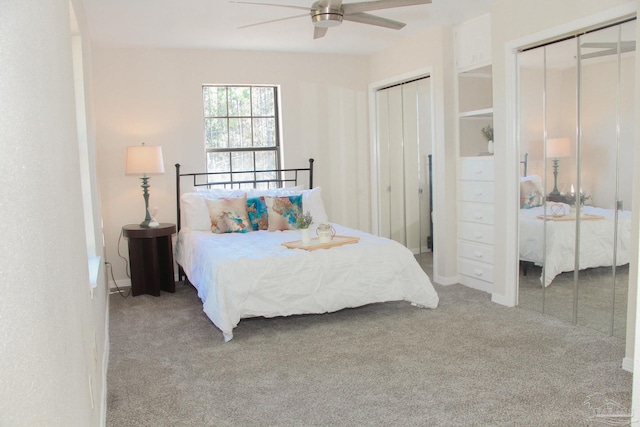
(468, 362)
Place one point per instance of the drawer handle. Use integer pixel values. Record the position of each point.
(478, 254)
(478, 192)
(479, 171)
(477, 235)
(478, 215)
(478, 272)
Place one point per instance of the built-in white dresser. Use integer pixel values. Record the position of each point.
(475, 222)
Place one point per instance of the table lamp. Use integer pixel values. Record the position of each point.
(144, 160)
(556, 148)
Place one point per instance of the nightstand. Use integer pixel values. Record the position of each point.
(150, 258)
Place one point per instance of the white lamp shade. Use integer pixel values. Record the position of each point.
(558, 147)
(144, 160)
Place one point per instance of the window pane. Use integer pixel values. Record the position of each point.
(218, 162)
(215, 101)
(242, 161)
(264, 132)
(266, 160)
(239, 101)
(240, 133)
(263, 101)
(216, 133)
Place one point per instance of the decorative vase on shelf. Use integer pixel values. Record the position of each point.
(490, 147)
(306, 238)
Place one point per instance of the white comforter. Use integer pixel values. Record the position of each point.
(252, 274)
(596, 241)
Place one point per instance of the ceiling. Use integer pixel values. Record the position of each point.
(213, 24)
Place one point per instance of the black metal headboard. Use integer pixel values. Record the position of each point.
(273, 178)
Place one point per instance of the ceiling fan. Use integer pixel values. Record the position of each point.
(330, 13)
(607, 48)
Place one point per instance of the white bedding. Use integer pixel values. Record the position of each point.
(252, 274)
(596, 241)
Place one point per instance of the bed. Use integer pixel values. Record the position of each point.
(250, 273)
(597, 237)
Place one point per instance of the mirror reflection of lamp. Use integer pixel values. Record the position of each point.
(556, 149)
(144, 160)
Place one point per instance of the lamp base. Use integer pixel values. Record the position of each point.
(145, 194)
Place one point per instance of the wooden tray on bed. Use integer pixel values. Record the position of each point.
(569, 217)
(315, 243)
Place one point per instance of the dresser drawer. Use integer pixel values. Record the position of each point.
(481, 253)
(475, 212)
(479, 233)
(475, 168)
(475, 269)
(470, 191)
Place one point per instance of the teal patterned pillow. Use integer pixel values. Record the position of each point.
(284, 212)
(257, 212)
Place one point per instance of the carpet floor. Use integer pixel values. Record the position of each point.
(469, 362)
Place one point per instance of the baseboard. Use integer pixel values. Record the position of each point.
(446, 281)
(122, 284)
(627, 364)
(105, 367)
(500, 299)
(476, 284)
(126, 284)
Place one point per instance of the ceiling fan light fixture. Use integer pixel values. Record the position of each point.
(326, 17)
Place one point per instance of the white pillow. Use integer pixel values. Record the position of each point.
(312, 202)
(275, 192)
(194, 213)
(216, 193)
(536, 180)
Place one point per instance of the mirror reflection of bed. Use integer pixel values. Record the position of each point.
(577, 183)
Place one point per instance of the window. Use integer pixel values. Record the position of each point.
(241, 127)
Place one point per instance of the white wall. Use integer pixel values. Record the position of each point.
(431, 50)
(155, 96)
(49, 321)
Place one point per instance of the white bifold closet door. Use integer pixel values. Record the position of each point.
(404, 143)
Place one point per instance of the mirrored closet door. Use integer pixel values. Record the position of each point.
(403, 147)
(576, 107)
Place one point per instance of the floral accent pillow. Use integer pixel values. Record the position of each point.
(283, 212)
(229, 215)
(257, 212)
(531, 194)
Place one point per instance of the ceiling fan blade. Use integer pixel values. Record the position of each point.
(608, 51)
(609, 45)
(271, 4)
(368, 6)
(598, 54)
(365, 18)
(273, 20)
(319, 32)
